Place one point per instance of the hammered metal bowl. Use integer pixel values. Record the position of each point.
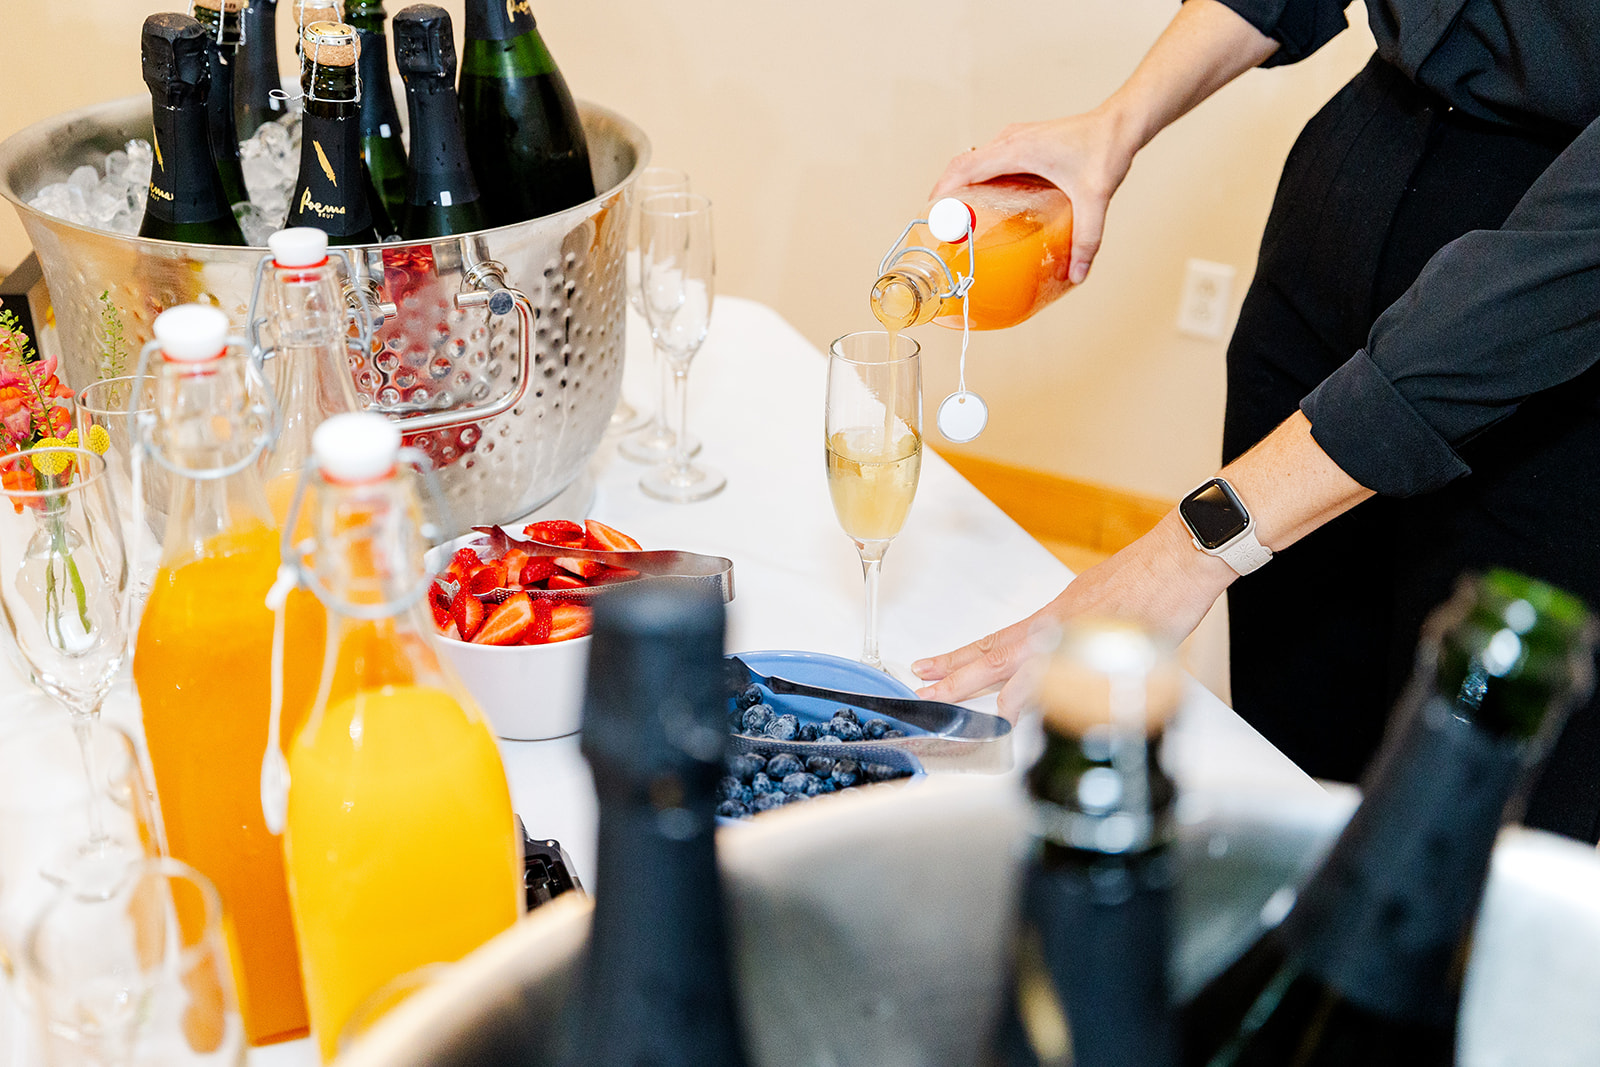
(445, 357)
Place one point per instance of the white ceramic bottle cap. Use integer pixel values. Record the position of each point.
(950, 220)
(299, 246)
(357, 447)
(191, 333)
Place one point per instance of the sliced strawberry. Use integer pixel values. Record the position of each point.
(556, 532)
(451, 632)
(603, 537)
(507, 623)
(467, 611)
(487, 577)
(583, 568)
(439, 603)
(513, 561)
(613, 575)
(462, 563)
(565, 581)
(539, 632)
(536, 570)
(569, 620)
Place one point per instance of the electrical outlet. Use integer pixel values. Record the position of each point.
(1203, 304)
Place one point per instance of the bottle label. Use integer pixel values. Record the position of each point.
(1383, 920)
(498, 20)
(331, 192)
(184, 185)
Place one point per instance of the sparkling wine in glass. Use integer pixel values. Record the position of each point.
(677, 274)
(874, 449)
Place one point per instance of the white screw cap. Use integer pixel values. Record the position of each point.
(950, 220)
(361, 446)
(192, 333)
(299, 246)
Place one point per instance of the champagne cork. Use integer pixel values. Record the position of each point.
(331, 44)
(1109, 673)
(229, 7)
(307, 12)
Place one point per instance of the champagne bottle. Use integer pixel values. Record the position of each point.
(441, 192)
(1090, 980)
(655, 986)
(224, 28)
(186, 201)
(524, 137)
(381, 146)
(334, 192)
(1366, 967)
(255, 73)
(308, 11)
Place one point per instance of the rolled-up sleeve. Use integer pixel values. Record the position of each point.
(1299, 26)
(1495, 317)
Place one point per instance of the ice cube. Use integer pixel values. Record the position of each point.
(254, 224)
(84, 177)
(105, 200)
(116, 163)
(52, 200)
(126, 221)
(273, 137)
(139, 152)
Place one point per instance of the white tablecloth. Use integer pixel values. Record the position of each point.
(960, 569)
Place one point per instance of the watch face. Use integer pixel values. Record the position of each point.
(1214, 514)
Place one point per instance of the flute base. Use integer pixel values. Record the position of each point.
(683, 487)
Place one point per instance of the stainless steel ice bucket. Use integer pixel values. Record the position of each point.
(509, 397)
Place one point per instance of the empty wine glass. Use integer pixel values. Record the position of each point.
(873, 442)
(105, 404)
(64, 572)
(139, 975)
(654, 443)
(677, 271)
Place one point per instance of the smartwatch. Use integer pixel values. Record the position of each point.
(1220, 525)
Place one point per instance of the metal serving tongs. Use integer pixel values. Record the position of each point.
(688, 568)
(957, 737)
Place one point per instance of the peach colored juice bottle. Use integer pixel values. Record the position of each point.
(401, 844)
(202, 660)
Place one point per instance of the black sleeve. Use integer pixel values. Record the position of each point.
(1299, 26)
(1494, 317)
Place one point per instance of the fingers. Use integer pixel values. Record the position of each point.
(971, 669)
(978, 165)
(1088, 223)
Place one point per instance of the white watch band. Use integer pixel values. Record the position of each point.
(1245, 553)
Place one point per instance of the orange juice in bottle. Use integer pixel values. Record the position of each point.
(401, 844)
(202, 659)
(1021, 248)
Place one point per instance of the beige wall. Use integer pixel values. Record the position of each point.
(817, 128)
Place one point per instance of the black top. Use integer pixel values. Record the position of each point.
(1496, 315)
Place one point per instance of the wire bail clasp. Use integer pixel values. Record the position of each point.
(952, 222)
(358, 347)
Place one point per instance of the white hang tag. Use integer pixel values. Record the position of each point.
(962, 416)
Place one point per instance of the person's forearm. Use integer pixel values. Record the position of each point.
(1290, 485)
(1205, 47)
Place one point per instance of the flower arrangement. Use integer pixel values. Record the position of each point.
(35, 407)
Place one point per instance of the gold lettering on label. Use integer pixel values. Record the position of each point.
(321, 210)
(157, 142)
(327, 168)
(159, 193)
(518, 7)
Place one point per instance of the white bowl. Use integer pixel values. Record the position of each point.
(529, 692)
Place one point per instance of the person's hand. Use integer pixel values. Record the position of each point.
(1160, 580)
(1082, 155)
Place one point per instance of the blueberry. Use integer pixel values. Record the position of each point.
(807, 732)
(757, 718)
(848, 715)
(768, 801)
(844, 729)
(783, 765)
(828, 785)
(745, 766)
(880, 772)
(732, 809)
(875, 729)
(749, 696)
(821, 766)
(783, 728)
(827, 739)
(802, 782)
(889, 735)
(761, 785)
(845, 766)
(728, 787)
(843, 779)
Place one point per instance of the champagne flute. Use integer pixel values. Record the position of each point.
(677, 272)
(653, 443)
(105, 404)
(874, 449)
(64, 578)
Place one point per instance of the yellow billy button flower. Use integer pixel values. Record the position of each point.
(54, 463)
